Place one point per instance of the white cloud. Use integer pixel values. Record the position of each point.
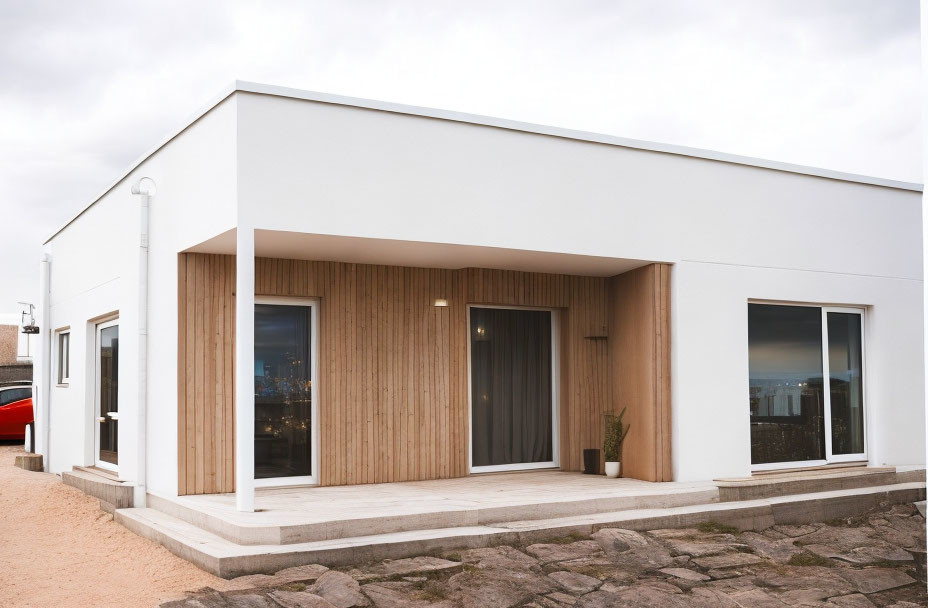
(89, 86)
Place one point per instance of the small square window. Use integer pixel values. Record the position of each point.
(64, 357)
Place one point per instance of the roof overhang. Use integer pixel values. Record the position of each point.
(388, 252)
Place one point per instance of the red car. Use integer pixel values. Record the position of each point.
(15, 411)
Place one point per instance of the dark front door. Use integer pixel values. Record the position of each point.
(512, 389)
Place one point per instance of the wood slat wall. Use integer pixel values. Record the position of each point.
(205, 374)
(640, 360)
(393, 367)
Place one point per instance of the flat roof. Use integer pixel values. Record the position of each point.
(499, 123)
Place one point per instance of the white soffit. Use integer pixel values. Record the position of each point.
(358, 250)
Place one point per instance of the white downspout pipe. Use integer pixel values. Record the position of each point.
(923, 19)
(144, 188)
(42, 380)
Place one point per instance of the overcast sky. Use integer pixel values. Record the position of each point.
(87, 87)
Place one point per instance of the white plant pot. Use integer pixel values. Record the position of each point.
(613, 469)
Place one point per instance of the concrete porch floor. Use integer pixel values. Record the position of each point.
(294, 515)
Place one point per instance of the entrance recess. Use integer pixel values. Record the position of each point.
(107, 395)
(513, 389)
(285, 396)
(806, 385)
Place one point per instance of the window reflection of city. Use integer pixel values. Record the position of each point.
(787, 420)
(794, 411)
(283, 422)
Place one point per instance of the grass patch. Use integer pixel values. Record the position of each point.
(563, 540)
(714, 527)
(807, 558)
(293, 587)
(431, 593)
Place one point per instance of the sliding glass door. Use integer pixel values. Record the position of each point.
(285, 412)
(806, 385)
(513, 385)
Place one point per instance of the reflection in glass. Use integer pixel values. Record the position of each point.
(511, 386)
(283, 388)
(846, 384)
(786, 383)
(109, 394)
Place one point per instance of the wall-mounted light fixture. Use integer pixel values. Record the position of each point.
(441, 302)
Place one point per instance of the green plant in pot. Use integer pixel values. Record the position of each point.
(614, 435)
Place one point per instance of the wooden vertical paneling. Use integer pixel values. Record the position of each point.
(640, 359)
(181, 374)
(205, 372)
(393, 384)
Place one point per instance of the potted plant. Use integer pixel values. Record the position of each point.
(615, 432)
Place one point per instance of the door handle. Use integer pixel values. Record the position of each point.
(113, 415)
(101, 419)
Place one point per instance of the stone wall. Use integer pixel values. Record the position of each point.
(19, 372)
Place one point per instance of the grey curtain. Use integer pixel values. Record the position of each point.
(511, 386)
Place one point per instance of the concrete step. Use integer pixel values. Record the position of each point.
(268, 529)
(113, 494)
(823, 480)
(227, 559)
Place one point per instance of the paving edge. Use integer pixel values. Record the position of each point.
(452, 518)
(228, 560)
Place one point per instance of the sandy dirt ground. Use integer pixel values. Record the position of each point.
(58, 549)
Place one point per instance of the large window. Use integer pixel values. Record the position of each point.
(283, 393)
(513, 388)
(806, 384)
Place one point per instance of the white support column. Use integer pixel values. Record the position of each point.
(245, 369)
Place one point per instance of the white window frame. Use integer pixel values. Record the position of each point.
(100, 325)
(63, 380)
(826, 389)
(313, 478)
(555, 401)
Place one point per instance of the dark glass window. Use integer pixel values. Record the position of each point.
(14, 394)
(109, 394)
(511, 385)
(845, 374)
(283, 391)
(786, 383)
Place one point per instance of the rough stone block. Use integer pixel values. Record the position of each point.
(29, 462)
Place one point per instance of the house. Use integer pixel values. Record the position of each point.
(16, 349)
(304, 289)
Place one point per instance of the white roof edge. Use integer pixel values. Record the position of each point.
(500, 123)
(203, 111)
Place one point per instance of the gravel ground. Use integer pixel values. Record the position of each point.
(58, 549)
(856, 563)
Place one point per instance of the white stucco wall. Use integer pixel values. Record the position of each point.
(94, 271)
(733, 233)
(92, 274)
(710, 417)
